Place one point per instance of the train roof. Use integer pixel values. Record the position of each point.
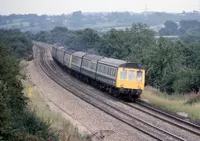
(55, 46)
(112, 62)
(132, 65)
(69, 48)
(79, 54)
(62, 48)
(93, 57)
(70, 51)
(120, 63)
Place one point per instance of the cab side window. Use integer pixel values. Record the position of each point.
(123, 74)
(139, 76)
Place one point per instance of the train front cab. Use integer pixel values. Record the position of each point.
(130, 81)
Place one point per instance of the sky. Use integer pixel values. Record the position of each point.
(55, 7)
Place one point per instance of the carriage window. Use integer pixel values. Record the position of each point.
(139, 76)
(106, 70)
(84, 63)
(131, 75)
(66, 57)
(114, 72)
(123, 74)
(88, 64)
(93, 66)
(100, 68)
(76, 60)
(109, 71)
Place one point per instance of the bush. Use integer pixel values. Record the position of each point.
(193, 100)
(29, 127)
(17, 43)
(16, 121)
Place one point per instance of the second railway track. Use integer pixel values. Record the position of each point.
(141, 125)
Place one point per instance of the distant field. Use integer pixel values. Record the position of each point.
(167, 36)
(15, 23)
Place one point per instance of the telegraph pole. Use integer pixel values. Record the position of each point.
(146, 12)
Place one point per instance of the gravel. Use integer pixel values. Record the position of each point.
(88, 119)
(152, 120)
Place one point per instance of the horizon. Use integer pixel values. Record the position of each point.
(85, 12)
(51, 7)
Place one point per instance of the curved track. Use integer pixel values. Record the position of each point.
(141, 125)
(184, 124)
(148, 109)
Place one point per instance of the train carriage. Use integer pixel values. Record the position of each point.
(89, 65)
(68, 57)
(54, 51)
(77, 60)
(59, 54)
(114, 75)
(107, 70)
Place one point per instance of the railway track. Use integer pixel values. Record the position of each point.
(145, 108)
(141, 125)
(184, 124)
(193, 129)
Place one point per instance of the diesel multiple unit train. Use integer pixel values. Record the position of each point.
(113, 75)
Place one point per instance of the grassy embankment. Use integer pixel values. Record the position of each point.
(63, 128)
(189, 104)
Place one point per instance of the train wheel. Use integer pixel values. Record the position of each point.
(116, 93)
(131, 98)
(110, 91)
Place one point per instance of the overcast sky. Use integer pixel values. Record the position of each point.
(68, 6)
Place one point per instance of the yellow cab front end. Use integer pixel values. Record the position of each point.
(130, 81)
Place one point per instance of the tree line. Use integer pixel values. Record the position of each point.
(183, 27)
(171, 66)
(17, 121)
(96, 20)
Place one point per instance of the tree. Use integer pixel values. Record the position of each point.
(171, 28)
(90, 36)
(76, 19)
(16, 121)
(43, 36)
(129, 44)
(189, 24)
(18, 43)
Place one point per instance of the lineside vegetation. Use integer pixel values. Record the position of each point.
(18, 120)
(189, 103)
(63, 128)
(172, 66)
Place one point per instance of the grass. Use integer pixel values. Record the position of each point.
(189, 104)
(63, 128)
